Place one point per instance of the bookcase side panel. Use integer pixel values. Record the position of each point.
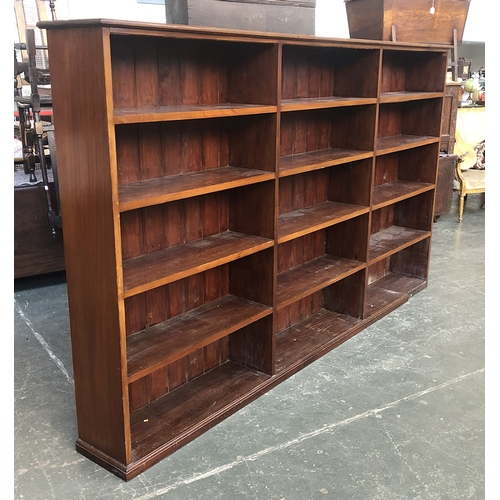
(88, 201)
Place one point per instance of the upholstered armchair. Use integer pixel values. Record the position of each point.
(470, 173)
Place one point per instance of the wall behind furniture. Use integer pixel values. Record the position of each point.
(130, 10)
(474, 52)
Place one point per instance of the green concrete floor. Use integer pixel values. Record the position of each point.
(397, 412)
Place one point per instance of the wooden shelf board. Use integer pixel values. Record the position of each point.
(188, 112)
(324, 102)
(312, 276)
(315, 160)
(405, 96)
(307, 220)
(149, 192)
(390, 292)
(391, 144)
(309, 339)
(192, 408)
(165, 266)
(393, 239)
(177, 337)
(392, 192)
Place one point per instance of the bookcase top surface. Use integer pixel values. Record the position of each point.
(223, 33)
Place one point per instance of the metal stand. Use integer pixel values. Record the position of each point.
(32, 130)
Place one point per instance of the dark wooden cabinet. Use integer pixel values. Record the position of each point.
(281, 16)
(449, 125)
(444, 185)
(447, 160)
(236, 205)
(36, 250)
(407, 20)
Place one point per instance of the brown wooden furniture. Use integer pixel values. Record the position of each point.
(281, 16)
(447, 160)
(444, 185)
(449, 125)
(236, 204)
(407, 20)
(470, 182)
(429, 21)
(36, 251)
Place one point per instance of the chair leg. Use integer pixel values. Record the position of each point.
(461, 200)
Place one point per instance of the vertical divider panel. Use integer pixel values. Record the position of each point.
(278, 84)
(380, 79)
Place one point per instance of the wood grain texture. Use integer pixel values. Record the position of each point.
(393, 239)
(189, 79)
(188, 112)
(411, 118)
(404, 96)
(401, 142)
(161, 190)
(314, 160)
(417, 165)
(178, 413)
(316, 130)
(392, 192)
(171, 264)
(313, 276)
(313, 334)
(307, 220)
(334, 73)
(374, 19)
(166, 342)
(402, 75)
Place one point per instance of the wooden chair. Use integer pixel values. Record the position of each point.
(470, 179)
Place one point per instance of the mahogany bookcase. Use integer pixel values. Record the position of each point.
(235, 204)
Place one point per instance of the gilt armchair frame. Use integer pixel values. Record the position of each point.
(470, 181)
